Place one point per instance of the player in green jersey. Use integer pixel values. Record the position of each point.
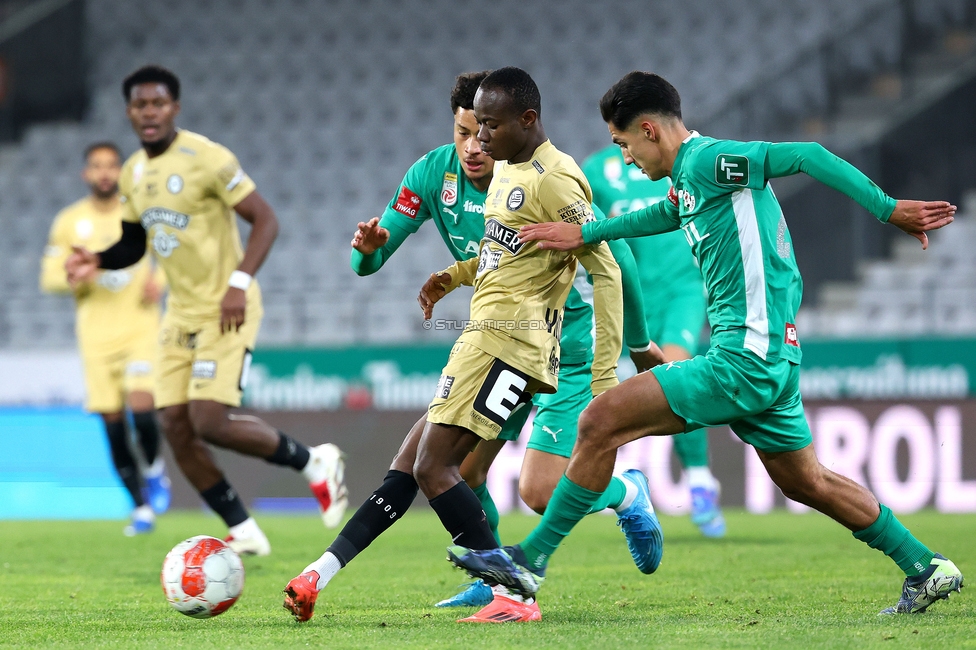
(749, 378)
(674, 306)
(448, 186)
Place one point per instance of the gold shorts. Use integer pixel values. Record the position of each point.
(110, 377)
(479, 392)
(198, 362)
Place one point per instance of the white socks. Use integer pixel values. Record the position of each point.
(246, 529)
(499, 590)
(143, 513)
(629, 496)
(157, 468)
(701, 477)
(327, 566)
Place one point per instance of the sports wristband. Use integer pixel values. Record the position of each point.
(239, 280)
(643, 349)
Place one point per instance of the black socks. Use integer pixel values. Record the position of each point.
(462, 515)
(378, 512)
(223, 500)
(148, 434)
(124, 463)
(289, 453)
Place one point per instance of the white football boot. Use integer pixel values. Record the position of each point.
(326, 473)
(247, 538)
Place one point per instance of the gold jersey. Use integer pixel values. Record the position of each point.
(184, 198)
(110, 310)
(520, 290)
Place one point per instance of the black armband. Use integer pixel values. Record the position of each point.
(128, 250)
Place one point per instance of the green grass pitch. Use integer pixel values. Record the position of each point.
(776, 581)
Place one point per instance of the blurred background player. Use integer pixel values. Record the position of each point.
(116, 322)
(674, 304)
(180, 191)
(449, 186)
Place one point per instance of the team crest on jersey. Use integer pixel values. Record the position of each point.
(164, 243)
(174, 184)
(114, 281)
(507, 238)
(449, 189)
(515, 199)
(687, 199)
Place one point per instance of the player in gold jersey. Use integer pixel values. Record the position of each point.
(180, 191)
(117, 322)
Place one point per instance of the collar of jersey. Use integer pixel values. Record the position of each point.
(681, 153)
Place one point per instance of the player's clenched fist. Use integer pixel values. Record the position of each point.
(81, 266)
(370, 236)
(433, 290)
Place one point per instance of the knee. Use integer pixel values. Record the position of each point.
(535, 496)
(209, 426)
(590, 430)
(425, 472)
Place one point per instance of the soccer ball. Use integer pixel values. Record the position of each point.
(202, 577)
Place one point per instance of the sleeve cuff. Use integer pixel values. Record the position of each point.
(889, 208)
(599, 386)
(587, 232)
(643, 348)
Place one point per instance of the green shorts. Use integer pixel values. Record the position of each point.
(759, 400)
(513, 425)
(678, 318)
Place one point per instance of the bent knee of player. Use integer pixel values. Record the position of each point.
(592, 432)
(535, 495)
(211, 426)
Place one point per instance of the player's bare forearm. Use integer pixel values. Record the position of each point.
(264, 229)
(918, 217)
(556, 235)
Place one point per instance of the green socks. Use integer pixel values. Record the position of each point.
(889, 536)
(569, 504)
(491, 510)
(612, 497)
(692, 448)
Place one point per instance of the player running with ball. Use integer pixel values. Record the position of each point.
(749, 377)
(438, 188)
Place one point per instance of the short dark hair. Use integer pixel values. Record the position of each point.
(465, 86)
(638, 93)
(104, 144)
(152, 74)
(517, 84)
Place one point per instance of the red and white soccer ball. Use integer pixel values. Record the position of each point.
(202, 577)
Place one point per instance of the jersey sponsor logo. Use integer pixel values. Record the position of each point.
(553, 365)
(171, 218)
(164, 243)
(554, 322)
(515, 199)
(407, 202)
(204, 369)
(538, 167)
(138, 368)
(673, 196)
(507, 238)
(731, 170)
(791, 337)
(783, 247)
(578, 213)
(174, 184)
(449, 189)
(471, 206)
(137, 170)
(502, 392)
(444, 385)
(470, 248)
(114, 280)
(488, 261)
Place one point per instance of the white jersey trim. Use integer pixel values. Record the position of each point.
(757, 316)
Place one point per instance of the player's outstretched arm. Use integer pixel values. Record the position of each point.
(374, 242)
(83, 264)
(811, 158)
(656, 219)
(264, 229)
